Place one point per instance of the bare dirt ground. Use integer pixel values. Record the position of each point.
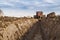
(47, 29)
(12, 28)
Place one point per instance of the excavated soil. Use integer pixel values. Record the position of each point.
(12, 28)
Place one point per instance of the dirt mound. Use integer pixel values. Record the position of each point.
(47, 29)
(12, 28)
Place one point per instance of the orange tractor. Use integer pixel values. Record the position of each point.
(39, 15)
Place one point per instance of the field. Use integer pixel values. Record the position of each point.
(13, 28)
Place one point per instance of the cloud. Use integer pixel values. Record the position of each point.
(44, 5)
(31, 4)
(49, 1)
(18, 13)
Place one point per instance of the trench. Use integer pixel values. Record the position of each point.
(46, 29)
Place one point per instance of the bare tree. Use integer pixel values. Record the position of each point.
(1, 12)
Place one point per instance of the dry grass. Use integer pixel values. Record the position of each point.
(12, 28)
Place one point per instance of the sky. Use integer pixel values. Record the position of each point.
(29, 7)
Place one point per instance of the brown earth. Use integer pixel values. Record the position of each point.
(12, 28)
